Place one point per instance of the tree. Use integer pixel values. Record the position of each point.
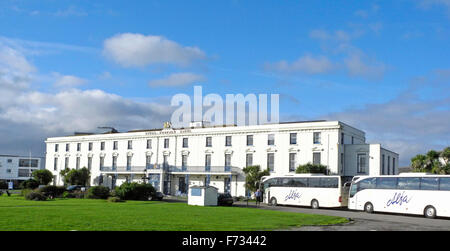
(43, 177)
(253, 175)
(311, 168)
(431, 162)
(445, 155)
(76, 176)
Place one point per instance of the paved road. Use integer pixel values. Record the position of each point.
(364, 221)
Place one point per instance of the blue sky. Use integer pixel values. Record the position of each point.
(382, 66)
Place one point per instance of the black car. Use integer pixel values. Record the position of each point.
(225, 199)
(158, 196)
(74, 188)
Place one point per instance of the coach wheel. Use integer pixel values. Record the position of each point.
(314, 204)
(430, 212)
(273, 202)
(368, 207)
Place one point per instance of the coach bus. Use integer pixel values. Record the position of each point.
(407, 193)
(304, 190)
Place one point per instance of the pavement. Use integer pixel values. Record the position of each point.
(361, 221)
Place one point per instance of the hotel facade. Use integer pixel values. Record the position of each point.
(172, 159)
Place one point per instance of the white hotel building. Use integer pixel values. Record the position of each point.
(172, 159)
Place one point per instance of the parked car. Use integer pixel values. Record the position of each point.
(74, 188)
(158, 196)
(225, 199)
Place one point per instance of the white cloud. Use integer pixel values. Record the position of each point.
(305, 64)
(177, 79)
(68, 81)
(28, 116)
(137, 50)
(408, 124)
(357, 65)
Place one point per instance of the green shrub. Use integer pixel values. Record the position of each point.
(98, 192)
(311, 168)
(1, 192)
(135, 191)
(29, 184)
(115, 199)
(52, 191)
(25, 192)
(3, 184)
(35, 196)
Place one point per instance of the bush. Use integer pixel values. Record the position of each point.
(52, 191)
(3, 184)
(1, 192)
(42, 176)
(37, 196)
(29, 184)
(311, 168)
(135, 191)
(115, 199)
(98, 192)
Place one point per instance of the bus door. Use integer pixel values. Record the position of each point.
(352, 196)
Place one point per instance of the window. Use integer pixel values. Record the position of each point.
(293, 138)
(129, 158)
(115, 145)
(90, 146)
(148, 160)
(114, 162)
(387, 183)
(102, 162)
(317, 138)
(56, 147)
(361, 158)
(353, 140)
(389, 165)
(369, 183)
(408, 183)
(130, 144)
(208, 141)
(393, 165)
(316, 159)
(270, 161)
(166, 143)
(185, 143)
(429, 183)
(313, 182)
(66, 162)
(292, 160)
(55, 164)
(78, 147)
(249, 160)
(342, 138)
(249, 140)
(227, 160)
(228, 141)
(271, 139)
(102, 146)
(207, 162)
(165, 161)
(444, 184)
(329, 182)
(9, 160)
(89, 163)
(28, 163)
(382, 164)
(149, 144)
(184, 160)
(67, 147)
(78, 163)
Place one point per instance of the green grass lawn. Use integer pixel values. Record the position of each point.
(16, 213)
